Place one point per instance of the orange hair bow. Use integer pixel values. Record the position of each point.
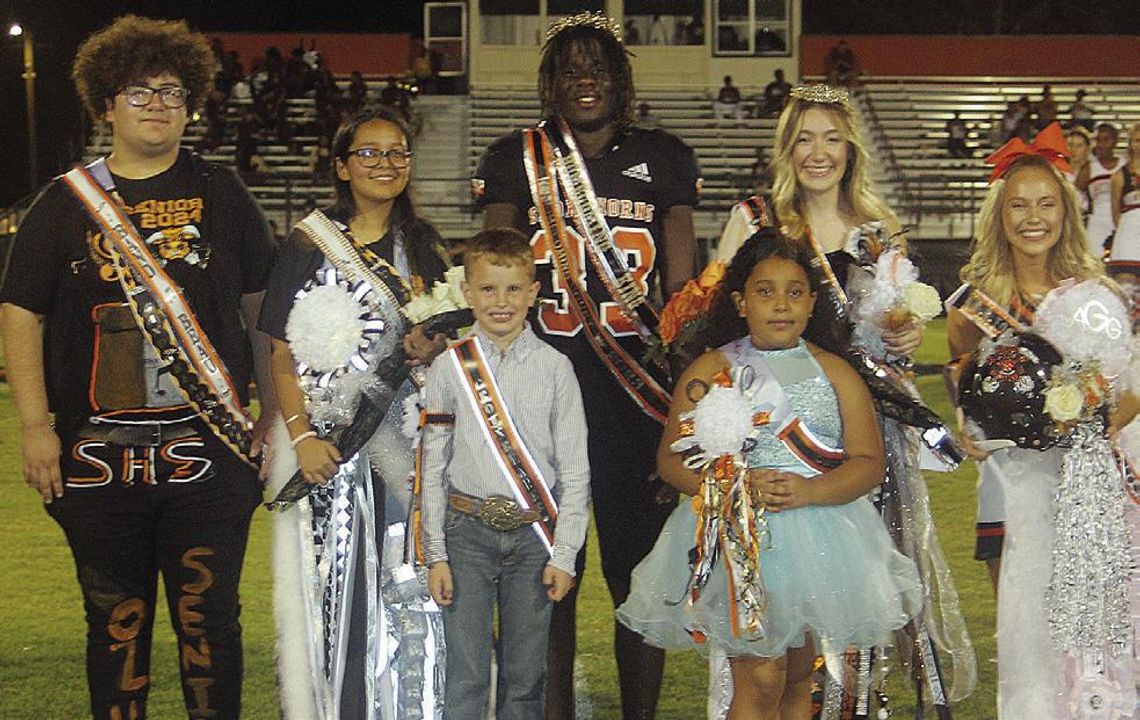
(1049, 144)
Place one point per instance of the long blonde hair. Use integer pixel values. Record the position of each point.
(990, 267)
(856, 196)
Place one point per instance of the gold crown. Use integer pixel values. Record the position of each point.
(821, 93)
(596, 20)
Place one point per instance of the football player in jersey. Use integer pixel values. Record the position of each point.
(645, 183)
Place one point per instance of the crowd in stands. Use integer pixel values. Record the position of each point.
(262, 94)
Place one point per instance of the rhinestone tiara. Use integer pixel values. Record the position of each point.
(821, 93)
(596, 20)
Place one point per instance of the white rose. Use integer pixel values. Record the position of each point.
(454, 278)
(422, 307)
(1064, 402)
(922, 300)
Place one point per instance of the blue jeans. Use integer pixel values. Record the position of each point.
(490, 567)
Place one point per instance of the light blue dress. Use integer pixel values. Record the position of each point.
(829, 570)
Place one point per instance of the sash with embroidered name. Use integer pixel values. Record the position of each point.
(163, 315)
(521, 472)
(556, 171)
(986, 313)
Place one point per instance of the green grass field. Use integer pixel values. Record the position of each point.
(42, 641)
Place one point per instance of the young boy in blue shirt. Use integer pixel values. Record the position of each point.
(505, 486)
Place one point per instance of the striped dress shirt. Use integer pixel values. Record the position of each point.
(540, 391)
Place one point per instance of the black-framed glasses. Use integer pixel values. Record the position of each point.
(140, 95)
(371, 157)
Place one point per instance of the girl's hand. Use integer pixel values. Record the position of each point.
(905, 339)
(319, 460)
(1126, 409)
(966, 441)
(422, 348)
(779, 490)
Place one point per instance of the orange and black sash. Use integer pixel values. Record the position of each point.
(163, 315)
(549, 174)
(776, 409)
(528, 487)
(985, 312)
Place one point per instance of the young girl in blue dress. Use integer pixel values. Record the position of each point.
(829, 574)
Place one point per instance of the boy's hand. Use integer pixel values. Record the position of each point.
(557, 582)
(439, 583)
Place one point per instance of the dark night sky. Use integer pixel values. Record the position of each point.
(59, 25)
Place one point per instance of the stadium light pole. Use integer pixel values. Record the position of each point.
(18, 30)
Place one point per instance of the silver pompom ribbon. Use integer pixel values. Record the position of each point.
(1087, 598)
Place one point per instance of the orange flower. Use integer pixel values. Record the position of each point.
(690, 302)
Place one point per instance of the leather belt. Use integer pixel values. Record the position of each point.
(138, 434)
(496, 512)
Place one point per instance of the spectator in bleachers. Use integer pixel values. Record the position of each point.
(1124, 263)
(1081, 112)
(1046, 108)
(658, 35)
(956, 132)
(320, 160)
(695, 31)
(274, 63)
(995, 135)
(396, 97)
(644, 118)
(295, 76)
(311, 57)
(241, 90)
(630, 33)
(768, 42)
(215, 112)
(760, 179)
(356, 96)
(841, 65)
(272, 113)
(727, 103)
(1079, 140)
(775, 95)
(1103, 164)
(248, 136)
(327, 99)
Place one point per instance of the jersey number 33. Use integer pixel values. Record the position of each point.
(554, 312)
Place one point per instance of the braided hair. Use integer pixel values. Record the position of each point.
(606, 50)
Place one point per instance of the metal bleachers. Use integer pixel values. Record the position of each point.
(940, 195)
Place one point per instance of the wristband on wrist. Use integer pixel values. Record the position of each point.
(304, 436)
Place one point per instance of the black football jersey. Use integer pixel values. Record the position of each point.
(644, 173)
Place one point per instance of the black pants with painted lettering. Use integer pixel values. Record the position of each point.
(184, 511)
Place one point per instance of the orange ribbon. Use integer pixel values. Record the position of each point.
(1049, 144)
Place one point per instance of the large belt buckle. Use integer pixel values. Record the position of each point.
(500, 513)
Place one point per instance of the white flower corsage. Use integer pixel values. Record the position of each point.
(445, 296)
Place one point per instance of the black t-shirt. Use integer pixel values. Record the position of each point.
(298, 261)
(644, 173)
(197, 218)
